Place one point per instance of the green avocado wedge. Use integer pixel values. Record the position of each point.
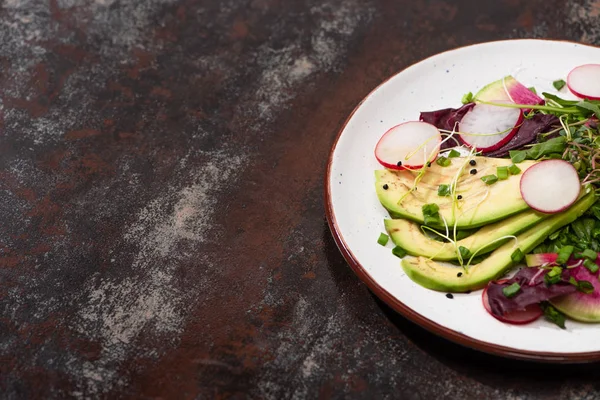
(480, 204)
(409, 236)
(443, 277)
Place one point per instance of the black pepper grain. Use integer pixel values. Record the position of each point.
(399, 163)
(449, 295)
(385, 187)
(459, 197)
(459, 274)
(473, 162)
(473, 171)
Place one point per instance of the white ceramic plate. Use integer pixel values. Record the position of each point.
(356, 217)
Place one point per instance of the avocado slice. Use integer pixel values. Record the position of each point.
(502, 199)
(409, 236)
(444, 277)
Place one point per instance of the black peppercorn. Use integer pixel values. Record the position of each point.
(385, 187)
(473, 162)
(459, 197)
(449, 295)
(459, 274)
(399, 163)
(473, 171)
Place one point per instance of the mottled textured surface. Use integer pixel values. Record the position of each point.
(163, 230)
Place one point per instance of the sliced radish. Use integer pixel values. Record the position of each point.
(487, 127)
(529, 314)
(508, 89)
(584, 81)
(550, 186)
(540, 259)
(408, 145)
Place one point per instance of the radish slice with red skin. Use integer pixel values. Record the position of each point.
(584, 81)
(530, 314)
(550, 186)
(487, 127)
(412, 143)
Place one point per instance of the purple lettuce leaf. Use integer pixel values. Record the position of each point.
(446, 119)
(533, 290)
(527, 133)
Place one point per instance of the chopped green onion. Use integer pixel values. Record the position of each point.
(563, 254)
(467, 98)
(553, 315)
(559, 84)
(383, 239)
(502, 173)
(489, 179)
(517, 156)
(585, 287)
(399, 252)
(591, 266)
(517, 256)
(553, 276)
(444, 190)
(573, 281)
(511, 290)
(533, 90)
(453, 154)
(513, 169)
(555, 271)
(591, 254)
(443, 161)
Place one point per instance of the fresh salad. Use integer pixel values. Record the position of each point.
(501, 194)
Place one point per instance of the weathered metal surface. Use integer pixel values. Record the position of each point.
(163, 230)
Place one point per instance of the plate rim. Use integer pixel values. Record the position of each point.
(399, 306)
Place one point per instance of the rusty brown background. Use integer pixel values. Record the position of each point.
(162, 226)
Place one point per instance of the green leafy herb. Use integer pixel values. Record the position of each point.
(443, 161)
(555, 145)
(589, 106)
(553, 315)
(591, 254)
(464, 252)
(564, 254)
(533, 90)
(552, 148)
(591, 266)
(585, 287)
(383, 239)
(559, 84)
(444, 190)
(431, 214)
(513, 169)
(517, 156)
(489, 179)
(517, 256)
(559, 101)
(502, 173)
(453, 154)
(467, 98)
(510, 291)
(399, 252)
